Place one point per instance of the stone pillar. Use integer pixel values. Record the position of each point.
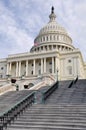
(34, 67)
(10, 68)
(57, 67)
(27, 68)
(19, 68)
(43, 48)
(78, 67)
(44, 65)
(7, 68)
(48, 47)
(52, 47)
(41, 66)
(53, 66)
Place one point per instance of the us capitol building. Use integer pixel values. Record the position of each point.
(52, 54)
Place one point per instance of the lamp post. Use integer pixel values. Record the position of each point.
(57, 78)
(57, 74)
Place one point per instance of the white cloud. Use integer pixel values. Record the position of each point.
(20, 21)
(18, 38)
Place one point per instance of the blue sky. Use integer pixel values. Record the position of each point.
(21, 21)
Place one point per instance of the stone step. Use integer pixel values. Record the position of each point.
(59, 128)
(48, 125)
(69, 120)
(54, 117)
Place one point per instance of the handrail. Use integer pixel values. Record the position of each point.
(76, 80)
(49, 91)
(18, 109)
(70, 85)
(73, 82)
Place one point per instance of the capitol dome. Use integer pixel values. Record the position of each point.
(53, 33)
(52, 26)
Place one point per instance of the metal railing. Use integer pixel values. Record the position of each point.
(73, 82)
(48, 92)
(70, 85)
(9, 116)
(76, 80)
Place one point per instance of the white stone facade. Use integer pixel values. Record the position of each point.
(51, 53)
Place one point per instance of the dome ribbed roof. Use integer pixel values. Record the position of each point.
(52, 26)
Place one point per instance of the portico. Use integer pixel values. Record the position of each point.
(36, 66)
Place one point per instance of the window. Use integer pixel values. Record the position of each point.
(2, 68)
(69, 61)
(39, 72)
(54, 37)
(50, 70)
(32, 72)
(47, 38)
(1, 76)
(50, 62)
(69, 70)
(39, 64)
(43, 38)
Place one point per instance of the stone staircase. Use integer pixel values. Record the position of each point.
(9, 99)
(74, 95)
(65, 109)
(52, 117)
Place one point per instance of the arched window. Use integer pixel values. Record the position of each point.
(69, 68)
(54, 37)
(47, 38)
(43, 38)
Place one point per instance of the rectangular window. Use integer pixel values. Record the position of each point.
(39, 72)
(50, 63)
(39, 64)
(70, 71)
(32, 72)
(50, 70)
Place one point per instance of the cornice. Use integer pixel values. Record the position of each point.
(31, 56)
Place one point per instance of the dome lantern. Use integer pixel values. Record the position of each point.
(52, 16)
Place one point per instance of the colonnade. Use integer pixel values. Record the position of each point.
(51, 47)
(43, 66)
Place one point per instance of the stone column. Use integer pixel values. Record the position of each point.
(10, 68)
(34, 67)
(44, 65)
(41, 66)
(78, 67)
(52, 47)
(48, 47)
(7, 68)
(56, 64)
(53, 65)
(57, 67)
(27, 68)
(19, 68)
